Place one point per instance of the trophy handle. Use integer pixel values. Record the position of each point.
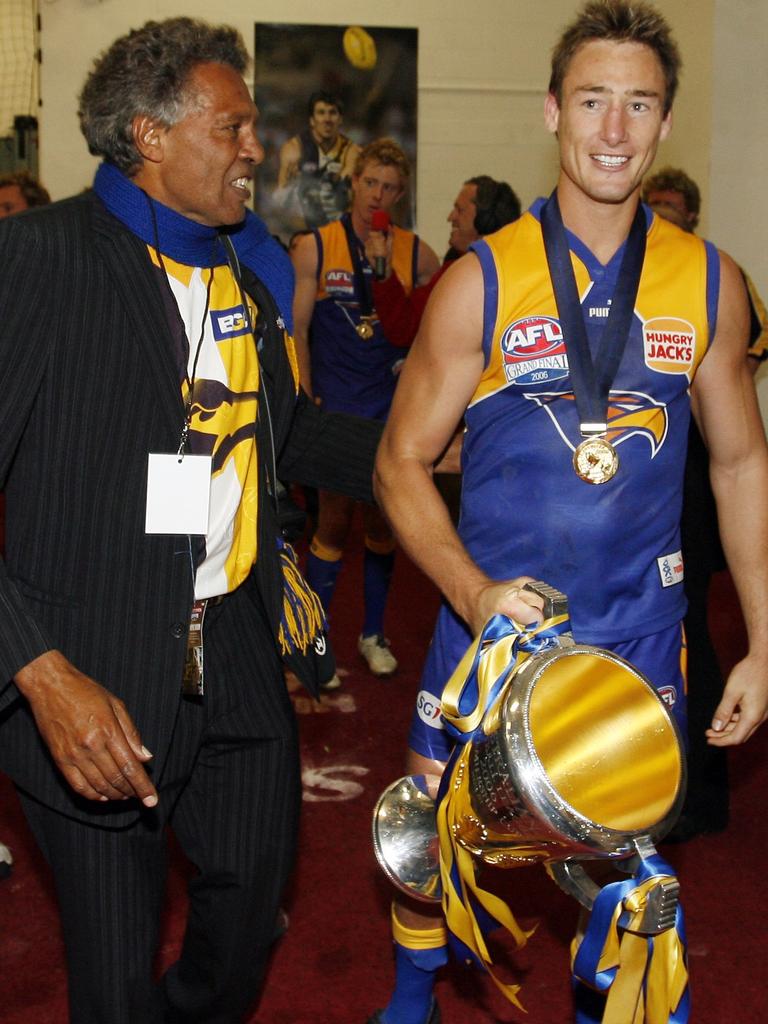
(405, 836)
(555, 601)
(660, 913)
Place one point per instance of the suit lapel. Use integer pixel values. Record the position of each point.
(135, 279)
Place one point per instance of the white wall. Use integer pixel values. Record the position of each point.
(483, 70)
(739, 151)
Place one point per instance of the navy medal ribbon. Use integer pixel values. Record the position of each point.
(591, 379)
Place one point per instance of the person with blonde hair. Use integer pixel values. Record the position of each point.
(348, 363)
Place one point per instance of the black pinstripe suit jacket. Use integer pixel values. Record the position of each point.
(88, 386)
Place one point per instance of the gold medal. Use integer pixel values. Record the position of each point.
(595, 460)
(365, 330)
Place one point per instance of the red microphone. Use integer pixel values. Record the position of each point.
(380, 222)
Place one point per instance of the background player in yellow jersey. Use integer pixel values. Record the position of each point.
(349, 364)
(614, 75)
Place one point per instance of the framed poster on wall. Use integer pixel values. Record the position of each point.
(323, 92)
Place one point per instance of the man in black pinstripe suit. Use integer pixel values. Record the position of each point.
(130, 320)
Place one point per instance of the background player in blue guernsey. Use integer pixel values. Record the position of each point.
(610, 542)
(349, 365)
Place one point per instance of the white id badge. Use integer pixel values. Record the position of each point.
(178, 493)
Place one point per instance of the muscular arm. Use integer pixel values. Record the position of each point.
(438, 380)
(350, 159)
(290, 153)
(725, 407)
(304, 258)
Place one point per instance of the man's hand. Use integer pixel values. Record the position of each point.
(88, 731)
(744, 704)
(378, 245)
(507, 598)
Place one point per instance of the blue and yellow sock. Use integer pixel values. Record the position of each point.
(323, 567)
(418, 956)
(378, 563)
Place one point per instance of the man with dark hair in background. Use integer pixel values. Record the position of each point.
(348, 363)
(316, 165)
(586, 499)
(19, 191)
(674, 195)
(149, 402)
(482, 206)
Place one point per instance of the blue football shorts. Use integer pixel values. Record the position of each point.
(660, 657)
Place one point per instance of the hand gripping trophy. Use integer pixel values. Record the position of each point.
(566, 754)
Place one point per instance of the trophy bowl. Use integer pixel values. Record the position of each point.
(582, 761)
(405, 838)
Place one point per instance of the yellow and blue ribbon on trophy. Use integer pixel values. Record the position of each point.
(645, 977)
(470, 707)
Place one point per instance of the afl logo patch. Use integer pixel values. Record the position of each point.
(668, 694)
(669, 344)
(340, 283)
(533, 351)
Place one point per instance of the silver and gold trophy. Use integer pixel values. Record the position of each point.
(568, 755)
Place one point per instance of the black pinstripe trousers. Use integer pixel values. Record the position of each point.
(230, 792)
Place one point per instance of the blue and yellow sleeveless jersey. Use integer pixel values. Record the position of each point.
(350, 373)
(613, 548)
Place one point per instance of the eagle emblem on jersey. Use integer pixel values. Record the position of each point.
(629, 414)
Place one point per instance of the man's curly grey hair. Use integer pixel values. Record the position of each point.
(146, 72)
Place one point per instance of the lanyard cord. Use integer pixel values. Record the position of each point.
(190, 380)
(591, 379)
(234, 266)
(361, 267)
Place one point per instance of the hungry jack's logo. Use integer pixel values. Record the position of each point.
(669, 344)
(629, 414)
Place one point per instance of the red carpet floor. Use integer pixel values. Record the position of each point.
(334, 966)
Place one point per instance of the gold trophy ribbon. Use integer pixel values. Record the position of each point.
(471, 705)
(644, 976)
